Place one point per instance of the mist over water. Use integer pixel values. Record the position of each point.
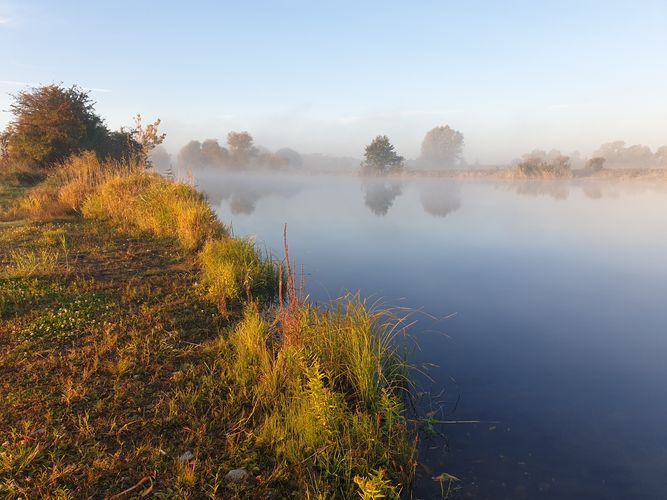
(557, 340)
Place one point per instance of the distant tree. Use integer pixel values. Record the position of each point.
(639, 155)
(241, 148)
(293, 158)
(381, 156)
(267, 159)
(661, 156)
(160, 158)
(50, 123)
(213, 154)
(611, 150)
(618, 155)
(441, 148)
(190, 154)
(595, 164)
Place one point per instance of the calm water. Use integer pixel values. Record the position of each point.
(559, 339)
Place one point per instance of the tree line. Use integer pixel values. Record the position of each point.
(240, 153)
(52, 122)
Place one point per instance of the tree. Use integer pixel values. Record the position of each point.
(213, 154)
(661, 156)
(160, 158)
(146, 137)
(595, 164)
(52, 122)
(381, 156)
(617, 154)
(190, 154)
(241, 148)
(441, 148)
(292, 158)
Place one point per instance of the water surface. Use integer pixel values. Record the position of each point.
(558, 343)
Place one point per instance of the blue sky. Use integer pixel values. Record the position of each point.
(326, 77)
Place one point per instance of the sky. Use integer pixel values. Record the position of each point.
(327, 77)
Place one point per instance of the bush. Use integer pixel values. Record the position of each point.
(50, 123)
(233, 270)
(558, 168)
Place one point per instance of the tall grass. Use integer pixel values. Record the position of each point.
(329, 406)
(233, 270)
(153, 204)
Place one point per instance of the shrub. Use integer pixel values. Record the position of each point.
(50, 123)
(558, 168)
(233, 270)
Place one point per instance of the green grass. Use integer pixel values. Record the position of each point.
(234, 271)
(142, 331)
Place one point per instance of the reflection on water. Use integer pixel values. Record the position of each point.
(560, 190)
(556, 190)
(380, 193)
(244, 191)
(558, 345)
(441, 198)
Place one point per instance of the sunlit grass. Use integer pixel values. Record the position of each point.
(150, 203)
(233, 270)
(134, 352)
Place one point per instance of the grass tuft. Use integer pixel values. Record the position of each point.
(233, 271)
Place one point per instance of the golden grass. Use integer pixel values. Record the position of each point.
(151, 203)
(233, 270)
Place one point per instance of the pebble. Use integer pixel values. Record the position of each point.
(237, 475)
(185, 457)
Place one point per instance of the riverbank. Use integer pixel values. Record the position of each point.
(145, 350)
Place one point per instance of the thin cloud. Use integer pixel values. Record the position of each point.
(4, 20)
(16, 83)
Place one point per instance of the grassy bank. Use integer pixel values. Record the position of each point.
(144, 350)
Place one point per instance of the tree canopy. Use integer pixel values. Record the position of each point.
(52, 122)
(381, 156)
(241, 148)
(441, 148)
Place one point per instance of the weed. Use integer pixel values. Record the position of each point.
(26, 264)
